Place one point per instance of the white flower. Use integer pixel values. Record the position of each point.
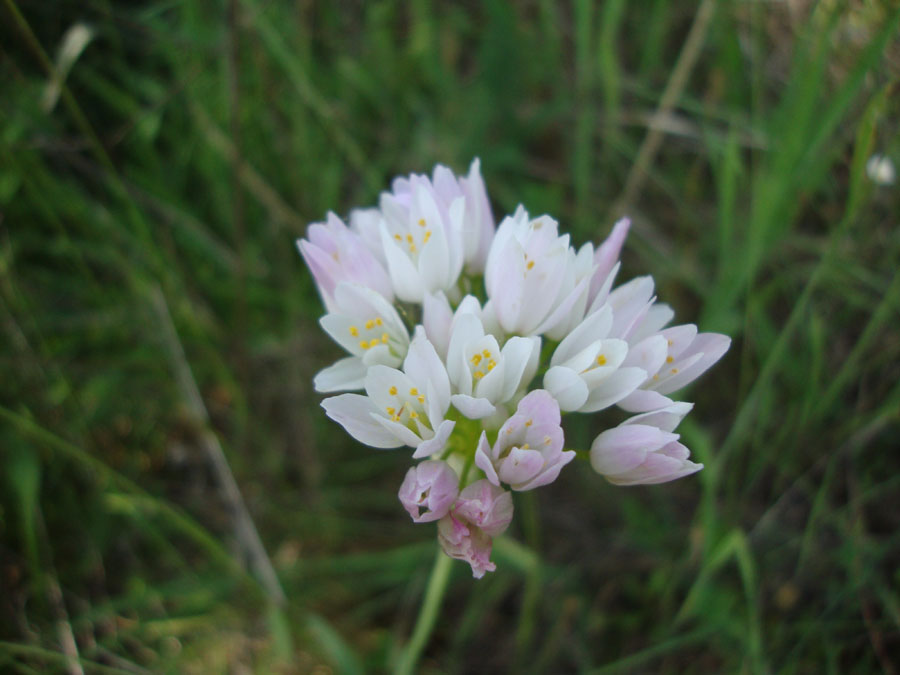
(639, 454)
(585, 373)
(483, 374)
(880, 170)
(422, 241)
(334, 254)
(400, 408)
(525, 272)
(367, 326)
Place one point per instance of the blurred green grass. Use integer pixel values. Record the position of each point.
(190, 146)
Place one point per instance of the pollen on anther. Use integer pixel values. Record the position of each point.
(477, 374)
(413, 392)
(363, 345)
(674, 371)
(354, 331)
(491, 365)
(669, 359)
(529, 423)
(412, 248)
(426, 237)
(370, 324)
(421, 222)
(413, 414)
(384, 338)
(601, 360)
(378, 321)
(547, 440)
(398, 237)
(392, 391)
(420, 398)
(670, 342)
(524, 446)
(409, 238)
(391, 410)
(476, 359)
(530, 264)
(486, 354)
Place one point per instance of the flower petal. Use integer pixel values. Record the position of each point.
(355, 413)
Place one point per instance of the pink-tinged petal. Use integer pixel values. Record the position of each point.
(520, 466)
(666, 419)
(649, 354)
(516, 355)
(712, 346)
(680, 339)
(355, 413)
(345, 375)
(668, 464)
(466, 543)
(607, 255)
(507, 291)
(483, 460)
(621, 449)
(380, 380)
(487, 506)
(566, 387)
(549, 474)
(436, 444)
(431, 485)
(614, 388)
(629, 302)
(473, 408)
(564, 309)
(437, 317)
(594, 327)
(541, 408)
(338, 328)
(644, 400)
(467, 329)
(657, 316)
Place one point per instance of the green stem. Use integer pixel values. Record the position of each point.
(428, 613)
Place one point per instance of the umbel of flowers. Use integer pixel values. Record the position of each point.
(467, 342)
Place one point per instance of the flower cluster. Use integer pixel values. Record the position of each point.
(470, 341)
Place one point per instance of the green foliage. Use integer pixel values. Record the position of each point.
(190, 145)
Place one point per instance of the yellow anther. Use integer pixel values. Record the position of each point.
(398, 237)
(395, 418)
(412, 248)
(363, 345)
(370, 324)
(491, 365)
(477, 374)
(354, 331)
(524, 446)
(529, 423)
(378, 321)
(486, 354)
(421, 222)
(530, 264)
(669, 359)
(420, 398)
(409, 238)
(413, 392)
(674, 371)
(476, 359)
(670, 342)
(413, 414)
(391, 410)
(427, 236)
(384, 338)
(392, 391)
(601, 360)
(656, 377)
(547, 440)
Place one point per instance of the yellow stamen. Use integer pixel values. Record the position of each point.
(486, 354)
(398, 237)
(384, 338)
(391, 410)
(669, 359)
(413, 392)
(427, 236)
(491, 365)
(413, 414)
(378, 321)
(529, 423)
(420, 398)
(421, 222)
(477, 374)
(547, 440)
(354, 331)
(392, 391)
(412, 248)
(524, 446)
(601, 360)
(656, 377)
(670, 342)
(530, 264)
(674, 371)
(363, 345)
(370, 324)
(409, 238)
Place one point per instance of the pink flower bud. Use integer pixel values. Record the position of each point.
(482, 511)
(636, 454)
(431, 485)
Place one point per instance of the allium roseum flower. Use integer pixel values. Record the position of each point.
(463, 392)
